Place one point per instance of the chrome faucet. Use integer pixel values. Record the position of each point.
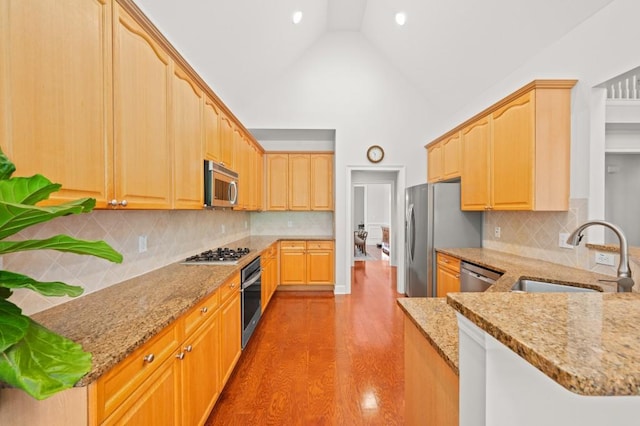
(624, 281)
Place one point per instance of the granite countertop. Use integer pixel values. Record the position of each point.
(113, 322)
(437, 320)
(587, 342)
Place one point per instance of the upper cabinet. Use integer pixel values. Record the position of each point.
(444, 159)
(95, 98)
(55, 94)
(516, 153)
(299, 181)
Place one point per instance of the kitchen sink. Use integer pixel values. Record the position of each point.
(533, 286)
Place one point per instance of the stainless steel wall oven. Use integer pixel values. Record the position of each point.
(251, 296)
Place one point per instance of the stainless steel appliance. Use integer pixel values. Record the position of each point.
(476, 278)
(220, 186)
(219, 256)
(434, 220)
(251, 296)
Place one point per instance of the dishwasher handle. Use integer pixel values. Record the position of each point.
(478, 276)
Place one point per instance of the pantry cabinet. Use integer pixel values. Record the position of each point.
(447, 274)
(55, 94)
(299, 181)
(187, 127)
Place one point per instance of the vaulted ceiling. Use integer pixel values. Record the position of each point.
(448, 50)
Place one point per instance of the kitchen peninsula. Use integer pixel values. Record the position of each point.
(568, 353)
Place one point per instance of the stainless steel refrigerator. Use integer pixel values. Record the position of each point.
(434, 220)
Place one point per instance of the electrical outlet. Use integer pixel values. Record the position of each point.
(562, 240)
(290, 224)
(142, 243)
(222, 229)
(496, 232)
(605, 258)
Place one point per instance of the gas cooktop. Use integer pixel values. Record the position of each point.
(219, 256)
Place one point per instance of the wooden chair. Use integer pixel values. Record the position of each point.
(360, 242)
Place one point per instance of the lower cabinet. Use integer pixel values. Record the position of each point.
(432, 389)
(176, 377)
(269, 263)
(307, 262)
(447, 274)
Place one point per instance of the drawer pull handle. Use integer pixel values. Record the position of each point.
(149, 358)
(204, 310)
(189, 348)
(180, 356)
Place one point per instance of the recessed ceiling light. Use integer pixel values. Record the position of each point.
(401, 18)
(297, 17)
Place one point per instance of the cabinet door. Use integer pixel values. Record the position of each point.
(434, 163)
(321, 182)
(187, 139)
(230, 335)
(200, 372)
(475, 194)
(299, 182)
(241, 166)
(55, 94)
(226, 137)
(451, 158)
(143, 151)
(293, 262)
(320, 262)
(513, 154)
(277, 181)
(212, 137)
(447, 281)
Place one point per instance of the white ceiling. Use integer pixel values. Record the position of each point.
(449, 50)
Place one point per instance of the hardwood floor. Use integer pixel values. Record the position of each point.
(320, 359)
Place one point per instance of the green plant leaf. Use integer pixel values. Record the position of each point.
(27, 190)
(43, 363)
(5, 293)
(66, 244)
(13, 280)
(13, 325)
(6, 166)
(16, 217)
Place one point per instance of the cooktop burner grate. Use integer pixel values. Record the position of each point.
(222, 255)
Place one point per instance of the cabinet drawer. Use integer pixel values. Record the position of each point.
(120, 382)
(449, 262)
(199, 313)
(230, 287)
(293, 245)
(319, 245)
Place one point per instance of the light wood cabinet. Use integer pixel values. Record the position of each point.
(212, 133)
(226, 139)
(432, 390)
(230, 327)
(447, 274)
(320, 262)
(269, 263)
(434, 163)
(277, 181)
(299, 181)
(452, 157)
(187, 124)
(142, 82)
(55, 94)
(475, 192)
(307, 262)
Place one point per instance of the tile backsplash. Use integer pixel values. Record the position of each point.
(292, 223)
(171, 236)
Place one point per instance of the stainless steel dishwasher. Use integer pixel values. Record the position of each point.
(476, 278)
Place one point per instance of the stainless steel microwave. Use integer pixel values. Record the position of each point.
(220, 185)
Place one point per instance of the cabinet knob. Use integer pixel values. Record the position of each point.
(204, 310)
(149, 358)
(116, 203)
(233, 285)
(445, 260)
(180, 356)
(189, 348)
(457, 275)
(123, 203)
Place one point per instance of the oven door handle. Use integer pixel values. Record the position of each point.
(251, 281)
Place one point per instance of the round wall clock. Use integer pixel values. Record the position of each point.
(375, 153)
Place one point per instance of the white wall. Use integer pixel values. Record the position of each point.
(342, 83)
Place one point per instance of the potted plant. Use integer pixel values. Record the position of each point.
(33, 358)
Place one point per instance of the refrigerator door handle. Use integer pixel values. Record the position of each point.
(412, 233)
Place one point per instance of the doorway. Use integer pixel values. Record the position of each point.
(363, 182)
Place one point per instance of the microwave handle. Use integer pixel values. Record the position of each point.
(233, 189)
